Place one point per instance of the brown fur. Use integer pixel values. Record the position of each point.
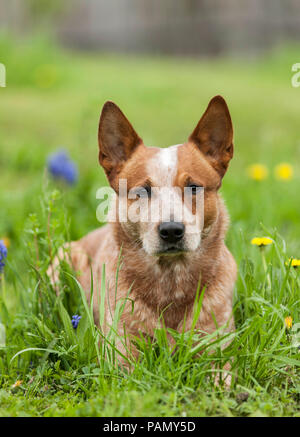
(163, 285)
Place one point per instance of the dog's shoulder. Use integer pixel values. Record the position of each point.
(94, 241)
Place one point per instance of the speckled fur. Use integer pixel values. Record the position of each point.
(164, 284)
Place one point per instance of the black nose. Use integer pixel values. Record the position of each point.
(171, 232)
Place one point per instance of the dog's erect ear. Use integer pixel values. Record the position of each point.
(117, 138)
(213, 135)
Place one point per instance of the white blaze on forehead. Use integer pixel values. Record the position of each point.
(168, 157)
(163, 166)
(162, 169)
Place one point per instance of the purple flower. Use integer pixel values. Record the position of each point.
(75, 320)
(3, 255)
(61, 167)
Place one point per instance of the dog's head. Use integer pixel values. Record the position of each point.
(169, 195)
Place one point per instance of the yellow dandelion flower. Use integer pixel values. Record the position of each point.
(17, 383)
(6, 241)
(288, 322)
(284, 171)
(294, 262)
(263, 241)
(258, 172)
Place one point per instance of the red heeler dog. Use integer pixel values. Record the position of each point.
(163, 259)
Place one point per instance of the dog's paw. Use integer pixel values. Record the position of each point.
(223, 378)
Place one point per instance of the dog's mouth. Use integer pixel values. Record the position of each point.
(171, 250)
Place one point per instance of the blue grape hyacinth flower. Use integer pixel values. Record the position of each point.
(60, 166)
(75, 320)
(3, 255)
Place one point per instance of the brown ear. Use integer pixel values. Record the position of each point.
(116, 137)
(213, 134)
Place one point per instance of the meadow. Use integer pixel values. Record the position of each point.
(52, 101)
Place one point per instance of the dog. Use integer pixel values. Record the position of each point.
(162, 263)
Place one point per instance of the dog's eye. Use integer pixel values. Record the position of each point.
(144, 192)
(195, 188)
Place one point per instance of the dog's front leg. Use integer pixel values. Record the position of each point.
(74, 255)
(207, 325)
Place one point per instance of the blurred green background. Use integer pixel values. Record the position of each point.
(161, 62)
(53, 99)
(60, 69)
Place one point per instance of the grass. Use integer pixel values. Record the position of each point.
(54, 99)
